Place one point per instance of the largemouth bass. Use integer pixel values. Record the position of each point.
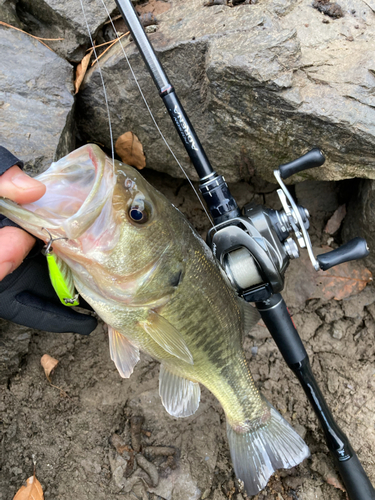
(137, 261)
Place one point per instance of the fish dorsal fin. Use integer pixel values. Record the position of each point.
(250, 315)
(166, 335)
(179, 395)
(124, 354)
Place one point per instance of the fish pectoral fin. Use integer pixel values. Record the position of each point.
(179, 395)
(124, 354)
(250, 315)
(166, 335)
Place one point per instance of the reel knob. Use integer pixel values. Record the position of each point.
(355, 249)
(314, 158)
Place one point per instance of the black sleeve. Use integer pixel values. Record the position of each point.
(7, 160)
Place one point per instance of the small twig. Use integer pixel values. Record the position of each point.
(112, 44)
(368, 5)
(62, 392)
(107, 43)
(113, 19)
(32, 36)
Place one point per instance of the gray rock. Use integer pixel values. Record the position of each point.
(8, 13)
(318, 197)
(62, 19)
(36, 100)
(360, 220)
(261, 85)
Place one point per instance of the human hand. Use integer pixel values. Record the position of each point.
(27, 296)
(15, 243)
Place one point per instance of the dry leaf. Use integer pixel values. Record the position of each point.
(32, 491)
(341, 281)
(130, 150)
(303, 282)
(333, 480)
(81, 70)
(48, 364)
(334, 222)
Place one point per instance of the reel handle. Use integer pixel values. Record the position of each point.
(355, 249)
(312, 159)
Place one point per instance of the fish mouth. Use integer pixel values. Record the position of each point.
(78, 188)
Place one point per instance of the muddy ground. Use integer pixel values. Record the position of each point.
(68, 426)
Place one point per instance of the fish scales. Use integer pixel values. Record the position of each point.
(137, 261)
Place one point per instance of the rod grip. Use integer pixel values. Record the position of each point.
(357, 484)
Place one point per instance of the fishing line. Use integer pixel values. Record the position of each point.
(148, 109)
(103, 85)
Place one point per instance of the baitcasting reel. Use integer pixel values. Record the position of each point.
(255, 248)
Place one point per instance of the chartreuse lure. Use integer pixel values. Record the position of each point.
(61, 276)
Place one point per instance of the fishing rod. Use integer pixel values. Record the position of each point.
(254, 248)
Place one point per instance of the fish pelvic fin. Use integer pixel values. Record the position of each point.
(179, 395)
(124, 354)
(167, 336)
(269, 445)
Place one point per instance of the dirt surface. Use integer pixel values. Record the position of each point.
(80, 429)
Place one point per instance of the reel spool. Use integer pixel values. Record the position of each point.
(242, 269)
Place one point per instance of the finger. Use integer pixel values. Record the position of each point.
(15, 244)
(19, 187)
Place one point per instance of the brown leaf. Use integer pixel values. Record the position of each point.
(333, 480)
(334, 222)
(32, 491)
(304, 283)
(49, 364)
(342, 281)
(130, 150)
(81, 70)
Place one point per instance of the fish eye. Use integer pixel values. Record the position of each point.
(138, 214)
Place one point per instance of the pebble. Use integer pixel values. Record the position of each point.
(337, 334)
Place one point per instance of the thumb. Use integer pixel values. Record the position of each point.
(19, 187)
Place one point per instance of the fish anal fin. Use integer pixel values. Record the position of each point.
(167, 336)
(250, 315)
(124, 354)
(179, 395)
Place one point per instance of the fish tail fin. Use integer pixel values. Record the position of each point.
(269, 445)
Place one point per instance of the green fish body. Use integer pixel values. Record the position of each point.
(137, 261)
